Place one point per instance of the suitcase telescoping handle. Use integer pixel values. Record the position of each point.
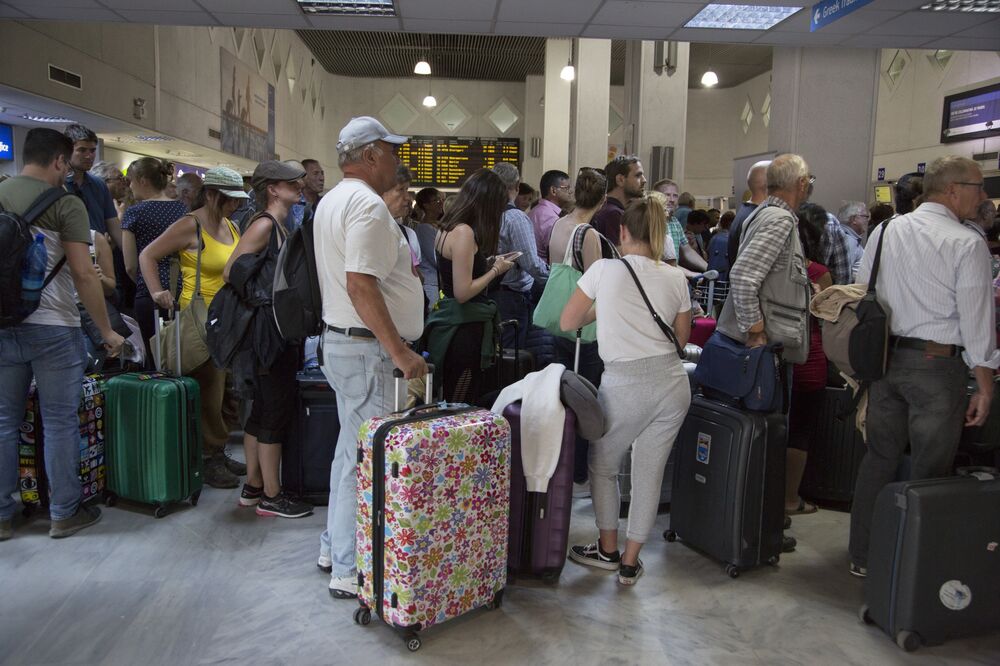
(428, 388)
(158, 321)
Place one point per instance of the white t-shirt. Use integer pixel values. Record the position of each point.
(625, 328)
(354, 232)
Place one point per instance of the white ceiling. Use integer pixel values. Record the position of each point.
(883, 23)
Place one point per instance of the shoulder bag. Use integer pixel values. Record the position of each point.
(188, 323)
(558, 290)
(667, 331)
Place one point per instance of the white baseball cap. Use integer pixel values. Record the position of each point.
(364, 130)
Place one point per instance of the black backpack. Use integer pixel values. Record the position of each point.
(15, 239)
(298, 304)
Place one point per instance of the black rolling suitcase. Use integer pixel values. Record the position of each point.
(511, 366)
(835, 455)
(934, 560)
(729, 484)
(307, 455)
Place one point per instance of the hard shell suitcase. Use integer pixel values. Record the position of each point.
(154, 445)
(33, 481)
(729, 484)
(539, 522)
(934, 563)
(312, 440)
(835, 455)
(701, 330)
(432, 516)
(512, 366)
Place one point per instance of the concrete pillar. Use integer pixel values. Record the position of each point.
(834, 133)
(555, 145)
(534, 130)
(656, 107)
(590, 99)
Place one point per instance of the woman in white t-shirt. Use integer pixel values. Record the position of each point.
(644, 389)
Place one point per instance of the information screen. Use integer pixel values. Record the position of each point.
(6, 142)
(971, 115)
(449, 161)
(883, 194)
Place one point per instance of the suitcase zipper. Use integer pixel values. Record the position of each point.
(378, 500)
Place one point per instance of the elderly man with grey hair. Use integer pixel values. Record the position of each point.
(934, 279)
(112, 177)
(853, 217)
(757, 184)
(517, 235)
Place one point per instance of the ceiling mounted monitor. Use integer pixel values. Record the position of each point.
(974, 114)
(348, 7)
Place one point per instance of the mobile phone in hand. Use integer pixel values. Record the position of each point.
(512, 256)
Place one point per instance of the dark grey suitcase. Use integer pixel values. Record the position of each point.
(729, 484)
(934, 560)
(312, 440)
(835, 455)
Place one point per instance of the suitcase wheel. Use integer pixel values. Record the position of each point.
(195, 498)
(670, 536)
(160, 511)
(110, 499)
(864, 616)
(907, 640)
(732, 571)
(773, 560)
(412, 642)
(362, 616)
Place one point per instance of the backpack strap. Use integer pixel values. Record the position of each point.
(667, 331)
(44, 201)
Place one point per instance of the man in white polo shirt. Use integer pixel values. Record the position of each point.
(372, 305)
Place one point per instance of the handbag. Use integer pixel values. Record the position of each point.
(188, 323)
(558, 289)
(750, 377)
(667, 331)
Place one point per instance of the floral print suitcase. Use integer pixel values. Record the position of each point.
(433, 504)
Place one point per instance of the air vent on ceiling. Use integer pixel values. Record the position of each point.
(214, 134)
(348, 7)
(65, 77)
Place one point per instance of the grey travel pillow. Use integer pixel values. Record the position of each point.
(580, 395)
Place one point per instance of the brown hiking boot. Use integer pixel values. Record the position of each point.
(217, 473)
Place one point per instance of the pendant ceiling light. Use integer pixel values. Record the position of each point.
(568, 72)
(709, 79)
(430, 102)
(423, 68)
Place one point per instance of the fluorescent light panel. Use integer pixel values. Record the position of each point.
(969, 6)
(740, 17)
(348, 7)
(46, 119)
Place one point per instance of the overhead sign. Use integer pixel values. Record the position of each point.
(826, 12)
(6, 142)
(444, 161)
(881, 173)
(921, 167)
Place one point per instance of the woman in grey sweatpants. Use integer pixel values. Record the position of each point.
(644, 389)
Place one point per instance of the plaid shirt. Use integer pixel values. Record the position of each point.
(676, 230)
(765, 252)
(833, 251)
(517, 234)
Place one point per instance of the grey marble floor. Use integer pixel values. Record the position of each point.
(216, 584)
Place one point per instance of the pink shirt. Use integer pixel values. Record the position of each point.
(543, 217)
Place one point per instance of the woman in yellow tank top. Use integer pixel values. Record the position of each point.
(221, 194)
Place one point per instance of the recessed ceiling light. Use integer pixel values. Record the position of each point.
(47, 119)
(972, 6)
(349, 7)
(150, 138)
(740, 17)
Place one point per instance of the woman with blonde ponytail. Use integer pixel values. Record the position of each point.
(644, 389)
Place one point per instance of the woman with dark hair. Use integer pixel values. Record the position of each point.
(277, 186)
(461, 332)
(218, 200)
(142, 224)
(809, 378)
(429, 211)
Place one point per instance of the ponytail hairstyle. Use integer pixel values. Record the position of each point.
(154, 171)
(647, 223)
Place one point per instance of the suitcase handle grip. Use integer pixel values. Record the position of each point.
(428, 385)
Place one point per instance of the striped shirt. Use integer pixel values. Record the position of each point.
(518, 235)
(833, 251)
(934, 280)
(766, 251)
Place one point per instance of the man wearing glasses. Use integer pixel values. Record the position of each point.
(854, 217)
(556, 196)
(934, 280)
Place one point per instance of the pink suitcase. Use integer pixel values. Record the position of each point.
(701, 330)
(433, 505)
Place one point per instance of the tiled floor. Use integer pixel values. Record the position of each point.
(216, 584)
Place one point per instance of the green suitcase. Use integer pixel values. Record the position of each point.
(154, 445)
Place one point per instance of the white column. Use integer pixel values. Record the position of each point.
(534, 129)
(590, 99)
(555, 142)
(835, 133)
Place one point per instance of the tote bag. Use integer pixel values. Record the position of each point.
(560, 286)
(189, 324)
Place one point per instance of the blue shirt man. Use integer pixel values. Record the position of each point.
(97, 198)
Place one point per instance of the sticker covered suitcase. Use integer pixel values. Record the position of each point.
(33, 481)
(432, 518)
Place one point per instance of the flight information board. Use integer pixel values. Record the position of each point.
(448, 161)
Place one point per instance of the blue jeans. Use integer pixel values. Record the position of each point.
(360, 371)
(55, 356)
(514, 305)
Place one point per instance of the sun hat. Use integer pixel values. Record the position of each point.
(273, 170)
(227, 181)
(363, 130)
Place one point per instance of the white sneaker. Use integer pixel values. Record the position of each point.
(324, 563)
(344, 588)
(581, 490)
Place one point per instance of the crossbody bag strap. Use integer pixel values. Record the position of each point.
(197, 268)
(878, 258)
(570, 244)
(667, 331)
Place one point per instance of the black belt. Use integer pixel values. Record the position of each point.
(926, 346)
(351, 332)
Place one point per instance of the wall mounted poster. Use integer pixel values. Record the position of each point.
(247, 111)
